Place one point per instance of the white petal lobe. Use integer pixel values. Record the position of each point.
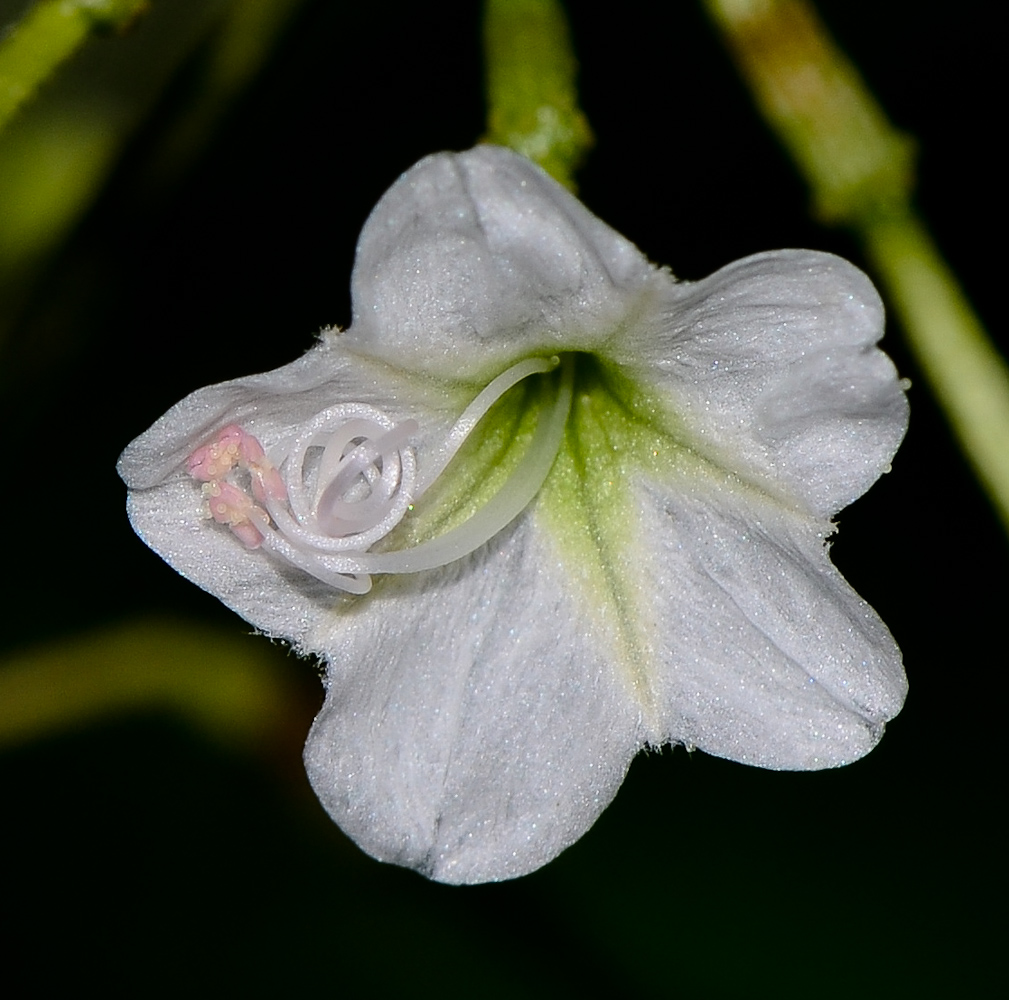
(472, 260)
(773, 659)
(772, 365)
(165, 506)
(471, 730)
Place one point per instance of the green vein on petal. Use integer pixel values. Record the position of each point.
(617, 433)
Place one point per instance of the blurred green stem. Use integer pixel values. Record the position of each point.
(233, 687)
(967, 374)
(47, 36)
(532, 93)
(860, 171)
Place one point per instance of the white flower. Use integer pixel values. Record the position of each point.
(592, 502)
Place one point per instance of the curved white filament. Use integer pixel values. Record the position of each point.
(502, 508)
(374, 480)
(475, 412)
(339, 516)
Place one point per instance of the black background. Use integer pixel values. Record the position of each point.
(142, 857)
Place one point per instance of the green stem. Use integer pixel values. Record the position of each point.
(231, 686)
(48, 35)
(532, 93)
(967, 374)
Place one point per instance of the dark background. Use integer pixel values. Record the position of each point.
(142, 858)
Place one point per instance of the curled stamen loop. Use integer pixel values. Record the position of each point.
(347, 476)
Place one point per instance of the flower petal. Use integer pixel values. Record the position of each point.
(768, 656)
(771, 365)
(470, 731)
(472, 260)
(715, 602)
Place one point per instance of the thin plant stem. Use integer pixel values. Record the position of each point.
(531, 85)
(232, 688)
(48, 35)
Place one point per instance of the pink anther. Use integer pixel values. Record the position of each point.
(220, 456)
(251, 449)
(234, 446)
(229, 505)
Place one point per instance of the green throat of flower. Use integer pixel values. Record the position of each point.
(615, 436)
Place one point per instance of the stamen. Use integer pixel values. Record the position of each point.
(228, 505)
(348, 476)
(353, 493)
